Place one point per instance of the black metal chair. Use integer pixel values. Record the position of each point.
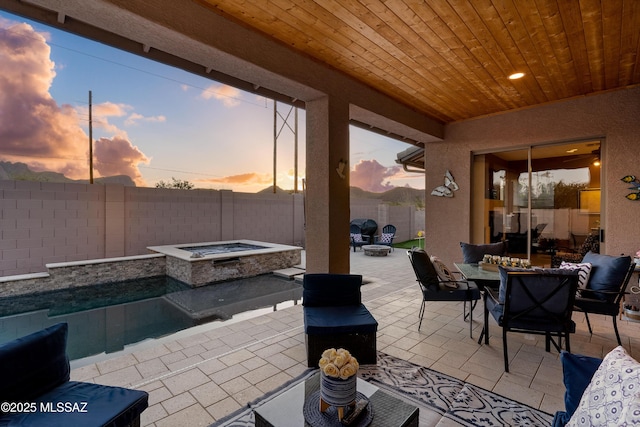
(386, 238)
(436, 288)
(358, 239)
(607, 286)
(535, 302)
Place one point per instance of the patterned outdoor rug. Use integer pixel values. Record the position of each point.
(459, 403)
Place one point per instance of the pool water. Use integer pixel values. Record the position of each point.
(107, 318)
(221, 248)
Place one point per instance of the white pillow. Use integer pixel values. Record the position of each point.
(357, 237)
(386, 237)
(443, 272)
(583, 269)
(612, 393)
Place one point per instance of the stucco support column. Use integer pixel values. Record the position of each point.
(327, 198)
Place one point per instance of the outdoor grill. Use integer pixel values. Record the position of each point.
(368, 227)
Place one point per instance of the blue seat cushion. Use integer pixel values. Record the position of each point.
(34, 364)
(105, 406)
(577, 371)
(339, 320)
(607, 274)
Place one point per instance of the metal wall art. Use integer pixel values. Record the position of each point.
(448, 188)
(630, 179)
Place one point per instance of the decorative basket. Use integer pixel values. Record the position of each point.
(488, 267)
(336, 391)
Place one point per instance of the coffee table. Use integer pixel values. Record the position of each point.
(287, 408)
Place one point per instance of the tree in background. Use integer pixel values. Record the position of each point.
(177, 184)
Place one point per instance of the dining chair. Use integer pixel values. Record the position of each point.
(441, 285)
(532, 302)
(606, 287)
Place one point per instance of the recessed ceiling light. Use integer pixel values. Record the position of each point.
(516, 76)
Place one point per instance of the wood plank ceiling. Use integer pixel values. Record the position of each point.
(451, 59)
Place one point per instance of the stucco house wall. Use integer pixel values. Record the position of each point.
(614, 116)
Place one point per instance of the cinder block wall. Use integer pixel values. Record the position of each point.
(43, 223)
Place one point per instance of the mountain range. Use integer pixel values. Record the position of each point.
(395, 196)
(21, 172)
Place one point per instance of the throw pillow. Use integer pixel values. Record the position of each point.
(443, 272)
(612, 389)
(607, 273)
(583, 269)
(472, 254)
(357, 238)
(577, 371)
(386, 237)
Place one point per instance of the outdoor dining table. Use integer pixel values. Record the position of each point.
(482, 278)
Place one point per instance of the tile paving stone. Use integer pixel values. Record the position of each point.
(184, 381)
(266, 371)
(223, 408)
(209, 393)
(235, 385)
(229, 373)
(116, 363)
(179, 402)
(194, 350)
(193, 416)
(159, 395)
(254, 363)
(152, 414)
(211, 366)
(185, 363)
(151, 368)
(236, 357)
(151, 353)
(85, 373)
(215, 352)
(123, 377)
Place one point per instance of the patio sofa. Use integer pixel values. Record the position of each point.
(600, 391)
(35, 389)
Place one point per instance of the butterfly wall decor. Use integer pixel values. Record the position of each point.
(448, 188)
(630, 179)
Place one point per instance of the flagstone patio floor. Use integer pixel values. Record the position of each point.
(202, 374)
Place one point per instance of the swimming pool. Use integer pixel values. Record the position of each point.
(108, 318)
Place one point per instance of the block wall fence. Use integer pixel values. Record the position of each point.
(43, 223)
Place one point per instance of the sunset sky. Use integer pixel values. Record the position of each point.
(150, 121)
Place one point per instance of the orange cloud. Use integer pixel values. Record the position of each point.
(117, 156)
(372, 176)
(242, 179)
(37, 131)
(228, 95)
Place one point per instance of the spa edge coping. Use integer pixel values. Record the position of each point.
(55, 265)
(176, 251)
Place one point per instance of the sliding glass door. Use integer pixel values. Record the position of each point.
(540, 199)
